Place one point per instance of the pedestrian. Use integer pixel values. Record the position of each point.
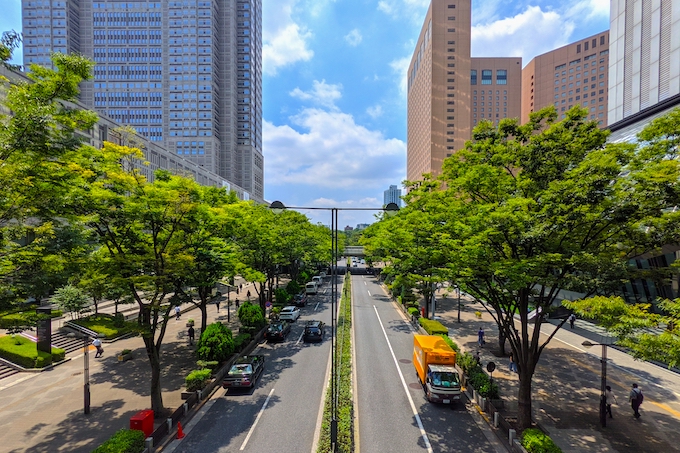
(217, 304)
(478, 359)
(237, 304)
(177, 311)
(636, 399)
(513, 365)
(241, 286)
(237, 290)
(248, 294)
(572, 320)
(97, 343)
(480, 337)
(191, 334)
(610, 398)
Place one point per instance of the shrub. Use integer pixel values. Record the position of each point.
(216, 343)
(24, 352)
(241, 341)
(124, 441)
(413, 311)
(282, 296)
(466, 362)
(478, 379)
(433, 327)
(536, 441)
(451, 344)
(197, 379)
(293, 287)
(251, 315)
(125, 351)
(208, 364)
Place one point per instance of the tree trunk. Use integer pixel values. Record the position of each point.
(524, 400)
(501, 341)
(156, 393)
(204, 315)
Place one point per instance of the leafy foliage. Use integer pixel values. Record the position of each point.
(24, 352)
(452, 344)
(241, 341)
(216, 343)
(197, 379)
(251, 315)
(433, 327)
(71, 299)
(124, 441)
(536, 441)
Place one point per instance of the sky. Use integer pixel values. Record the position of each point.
(334, 86)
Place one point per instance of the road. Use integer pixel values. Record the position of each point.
(281, 412)
(393, 415)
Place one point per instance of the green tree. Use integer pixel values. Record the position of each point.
(251, 315)
(216, 343)
(71, 299)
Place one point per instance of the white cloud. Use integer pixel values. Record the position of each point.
(284, 42)
(354, 37)
(586, 10)
(331, 151)
(400, 68)
(322, 93)
(527, 34)
(375, 111)
(413, 9)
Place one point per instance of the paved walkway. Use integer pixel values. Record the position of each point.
(43, 412)
(566, 386)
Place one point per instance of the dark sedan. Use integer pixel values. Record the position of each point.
(313, 331)
(277, 331)
(300, 300)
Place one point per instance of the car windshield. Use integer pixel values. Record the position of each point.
(275, 327)
(445, 379)
(241, 368)
(287, 310)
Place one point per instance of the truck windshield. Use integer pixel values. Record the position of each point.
(445, 379)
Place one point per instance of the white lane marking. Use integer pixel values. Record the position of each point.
(317, 306)
(365, 283)
(369, 293)
(257, 419)
(403, 383)
(300, 339)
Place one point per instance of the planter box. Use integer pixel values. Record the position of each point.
(186, 395)
(125, 357)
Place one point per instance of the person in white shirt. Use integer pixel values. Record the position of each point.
(97, 343)
(610, 398)
(177, 312)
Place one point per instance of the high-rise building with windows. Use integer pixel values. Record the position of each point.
(186, 73)
(575, 74)
(443, 79)
(392, 195)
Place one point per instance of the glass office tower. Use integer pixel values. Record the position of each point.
(185, 73)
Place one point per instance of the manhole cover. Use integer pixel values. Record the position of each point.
(404, 361)
(78, 373)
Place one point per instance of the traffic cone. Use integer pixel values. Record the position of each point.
(180, 433)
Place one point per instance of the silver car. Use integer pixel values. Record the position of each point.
(289, 313)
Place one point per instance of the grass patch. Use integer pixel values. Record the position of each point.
(107, 325)
(345, 402)
(536, 441)
(24, 352)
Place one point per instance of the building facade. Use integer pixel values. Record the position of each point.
(392, 195)
(184, 73)
(575, 74)
(496, 89)
(645, 55)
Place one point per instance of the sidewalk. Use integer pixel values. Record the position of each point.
(566, 386)
(43, 412)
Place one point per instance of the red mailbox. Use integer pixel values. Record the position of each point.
(143, 421)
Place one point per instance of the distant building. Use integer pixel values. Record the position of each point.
(575, 74)
(362, 226)
(349, 228)
(645, 55)
(392, 195)
(502, 95)
(187, 74)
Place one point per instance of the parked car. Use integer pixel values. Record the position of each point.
(277, 331)
(290, 313)
(313, 331)
(300, 300)
(244, 372)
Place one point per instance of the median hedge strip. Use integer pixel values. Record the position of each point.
(197, 379)
(124, 441)
(536, 441)
(345, 402)
(433, 327)
(24, 352)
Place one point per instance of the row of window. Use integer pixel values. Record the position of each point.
(592, 44)
(126, 5)
(487, 77)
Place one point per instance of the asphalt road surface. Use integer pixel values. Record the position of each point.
(393, 414)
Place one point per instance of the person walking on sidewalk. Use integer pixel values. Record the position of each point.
(636, 399)
(480, 337)
(248, 294)
(513, 365)
(217, 304)
(609, 399)
(97, 343)
(572, 320)
(178, 311)
(191, 334)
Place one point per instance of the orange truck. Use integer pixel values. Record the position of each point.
(434, 361)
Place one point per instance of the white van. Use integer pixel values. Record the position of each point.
(318, 280)
(311, 288)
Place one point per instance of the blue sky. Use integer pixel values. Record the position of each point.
(334, 86)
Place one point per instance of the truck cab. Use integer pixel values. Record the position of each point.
(434, 361)
(442, 384)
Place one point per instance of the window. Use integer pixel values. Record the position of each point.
(486, 76)
(594, 42)
(501, 77)
(585, 46)
(578, 48)
(602, 40)
(473, 77)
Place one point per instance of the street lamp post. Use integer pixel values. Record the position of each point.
(458, 288)
(603, 379)
(278, 207)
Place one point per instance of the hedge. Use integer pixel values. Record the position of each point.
(451, 343)
(26, 354)
(413, 311)
(241, 341)
(433, 327)
(476, 377)
(197, 379)
(124, 441)
(536, 441)
(9, 320)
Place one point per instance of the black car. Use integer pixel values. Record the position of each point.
(277, 331)
(300, 300)
(313, 331)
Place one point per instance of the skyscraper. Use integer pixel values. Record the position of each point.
(392, 195)
(186, 73)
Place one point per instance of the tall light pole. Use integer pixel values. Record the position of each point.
(458, 287)
(391, 208)
(603, 379)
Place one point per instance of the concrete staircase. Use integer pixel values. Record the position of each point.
(7, 371)
(68, 343)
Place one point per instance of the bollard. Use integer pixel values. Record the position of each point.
(511, 435)
(474, 395)
(186, 408)
(149, 443)
(496, 415)
(200, 394)
(169, 422)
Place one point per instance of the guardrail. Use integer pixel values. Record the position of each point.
(81, 329)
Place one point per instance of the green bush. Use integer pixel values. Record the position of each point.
(282, 296)
(124, 441)
(451, 344)
(197, 379)
(208, 364)
(24, 352)
(216, 343)
(241, 341)
(293, 288)
(466, 362)
(536, 441)
(433, 327)
(22, 318)
(413, 311)
(478, 379)
(251, 315)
